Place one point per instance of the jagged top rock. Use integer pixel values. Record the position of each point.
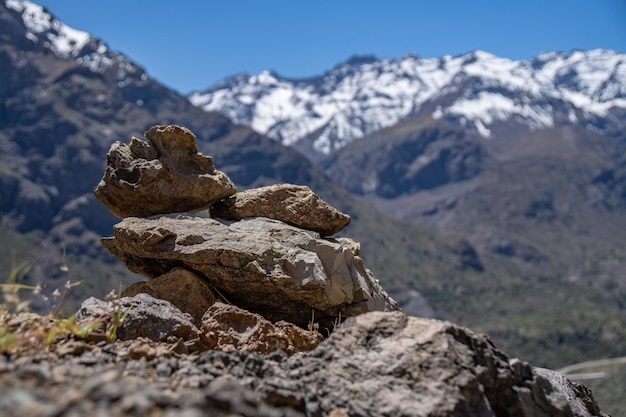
(165, 174)
(292, 204)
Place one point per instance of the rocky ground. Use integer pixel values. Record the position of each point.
(376, 364)
(138, 378)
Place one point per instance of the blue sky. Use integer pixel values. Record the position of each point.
(191, 44)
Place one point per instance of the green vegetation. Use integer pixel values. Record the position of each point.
(118, 315)
(23, 331)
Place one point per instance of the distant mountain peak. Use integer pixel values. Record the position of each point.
(43, 27)
(44, 30)
(481, 91)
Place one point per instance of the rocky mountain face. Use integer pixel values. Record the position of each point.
(59, 114)
(562, 180)
(485, 94)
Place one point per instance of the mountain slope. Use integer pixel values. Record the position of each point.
(552, 197)
(524, 159)
(484, 93)
(548, 208)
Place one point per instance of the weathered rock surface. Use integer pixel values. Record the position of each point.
(227, 327)
(166, 174)
(130, 379)
(375, 364)
(262, 265)
(184, 289)
(143, 316)
(389, 364)
(293, 204)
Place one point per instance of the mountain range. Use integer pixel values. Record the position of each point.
(522, 158)
(491, 191)
(484, 93)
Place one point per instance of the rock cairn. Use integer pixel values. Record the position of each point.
(266, 251)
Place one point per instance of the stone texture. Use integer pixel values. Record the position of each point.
(144, 316)
(166, 174)
(187, 291)
(227, 327)
(557, 392)
(262, 265)
(376, 364)
(390, 364)
(117, 380)
(293, 204)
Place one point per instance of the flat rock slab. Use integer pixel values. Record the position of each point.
(262, 265)
(166, 174)
(293, 204)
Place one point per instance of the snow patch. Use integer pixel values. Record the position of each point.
(64, 40)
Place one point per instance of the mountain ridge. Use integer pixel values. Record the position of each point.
(477, 90)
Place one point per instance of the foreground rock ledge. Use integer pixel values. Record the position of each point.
(389, 364)
(262, 265)
(375, 364)
(222, 326)
(296, 205)
(166, 174)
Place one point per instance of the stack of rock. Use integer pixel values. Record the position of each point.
(265, 252)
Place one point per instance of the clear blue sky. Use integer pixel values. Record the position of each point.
(191, 44)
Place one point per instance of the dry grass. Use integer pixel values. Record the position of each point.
(22, 331)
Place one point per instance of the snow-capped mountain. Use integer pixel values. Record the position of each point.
(45, 31)
(479, 90)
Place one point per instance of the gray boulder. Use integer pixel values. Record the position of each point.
(166, 174)
(262, 265)
(140, 316)
(390, 364)
(293, 204)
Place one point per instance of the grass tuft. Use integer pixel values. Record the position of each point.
(21, 330)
